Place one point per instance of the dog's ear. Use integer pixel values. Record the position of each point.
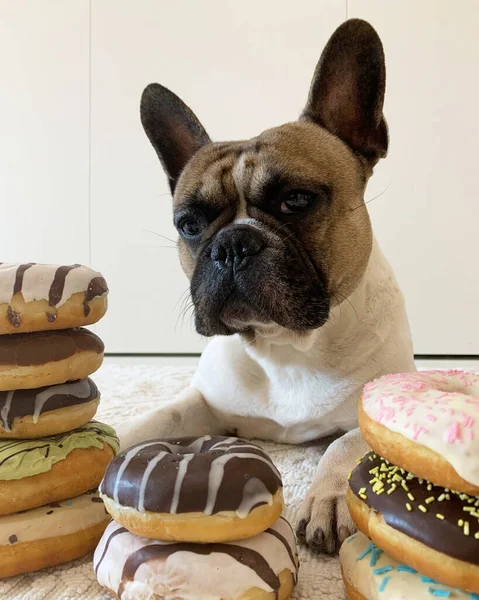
(172, 128)
(347, 91)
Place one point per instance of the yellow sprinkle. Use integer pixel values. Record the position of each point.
(362, 490)
(476, 536)
(421, 481)
(350, 475)
(448, 497)
(411, 497)
(422, 508)
(439, 516)
(397, 477)
(466, 528)
(394, 470)
(460, 522)
(442, 497)
(363, 496)
(408, 506)
(379, 492)
(405, 486)
(378, 486)
(391, 489)
(429, 487)
(430, 499)
(370, 458)
(463, 496)
(375, 470)
(468, 509)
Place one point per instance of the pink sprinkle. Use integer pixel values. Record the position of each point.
(431, 417)
(453, 434)
(450, 411)
(418, 431)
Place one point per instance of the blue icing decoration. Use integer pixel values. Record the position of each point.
(439, 593)
(382, 570)
(425, 579)
(407, 569)
(474, 596)
(384, 583)
(375, 554)
(366, 551)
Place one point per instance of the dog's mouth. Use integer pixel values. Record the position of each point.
(278, 287)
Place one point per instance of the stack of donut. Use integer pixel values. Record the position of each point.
(52, 455)
(415, 497)
(196, 518)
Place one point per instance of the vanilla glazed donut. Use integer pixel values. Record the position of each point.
(35, 297)
(371, 574)
(207, 489)
(426, 423)
(263, 567)
(50, 469)
(43, 358)
(430, 528)
(44, 411)
(52, 534)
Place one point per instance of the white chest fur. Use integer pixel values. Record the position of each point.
(295, 389)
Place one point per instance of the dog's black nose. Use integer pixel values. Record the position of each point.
(235, 245)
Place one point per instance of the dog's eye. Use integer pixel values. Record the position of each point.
(297, 201)
(189, 227)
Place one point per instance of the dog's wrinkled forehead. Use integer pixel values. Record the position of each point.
(242, 173)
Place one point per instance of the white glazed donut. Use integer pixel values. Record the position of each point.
(35, 297)
(426, 423)
(259, 568)
(371, 574)
(51, 535)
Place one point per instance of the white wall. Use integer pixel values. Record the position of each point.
(80, 183)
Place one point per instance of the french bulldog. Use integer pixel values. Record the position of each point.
(285, 273)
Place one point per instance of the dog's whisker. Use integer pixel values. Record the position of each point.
(349, 302)
(371, 199)
(161, 236)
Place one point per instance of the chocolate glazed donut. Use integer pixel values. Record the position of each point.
(207, 474)
(34, 402)
(203, 490)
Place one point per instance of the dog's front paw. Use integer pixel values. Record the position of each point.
(324, 522)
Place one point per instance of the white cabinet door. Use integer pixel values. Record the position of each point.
(44, 131)
(242, 67)
(427, 219)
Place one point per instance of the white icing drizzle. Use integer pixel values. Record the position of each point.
(193, 448)
(80, 389)
(179, 480)
(59, 518)
(6, 411)
(146, 475)
(126, 461)
(216, 476)
(255, 492)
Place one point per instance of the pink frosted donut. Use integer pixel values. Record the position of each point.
(426, 423)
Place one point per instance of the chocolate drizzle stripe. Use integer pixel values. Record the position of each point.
(107, 545)
(181, 475)
(245, 556)
(58, 284)
(17, 287)
(284, 541)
